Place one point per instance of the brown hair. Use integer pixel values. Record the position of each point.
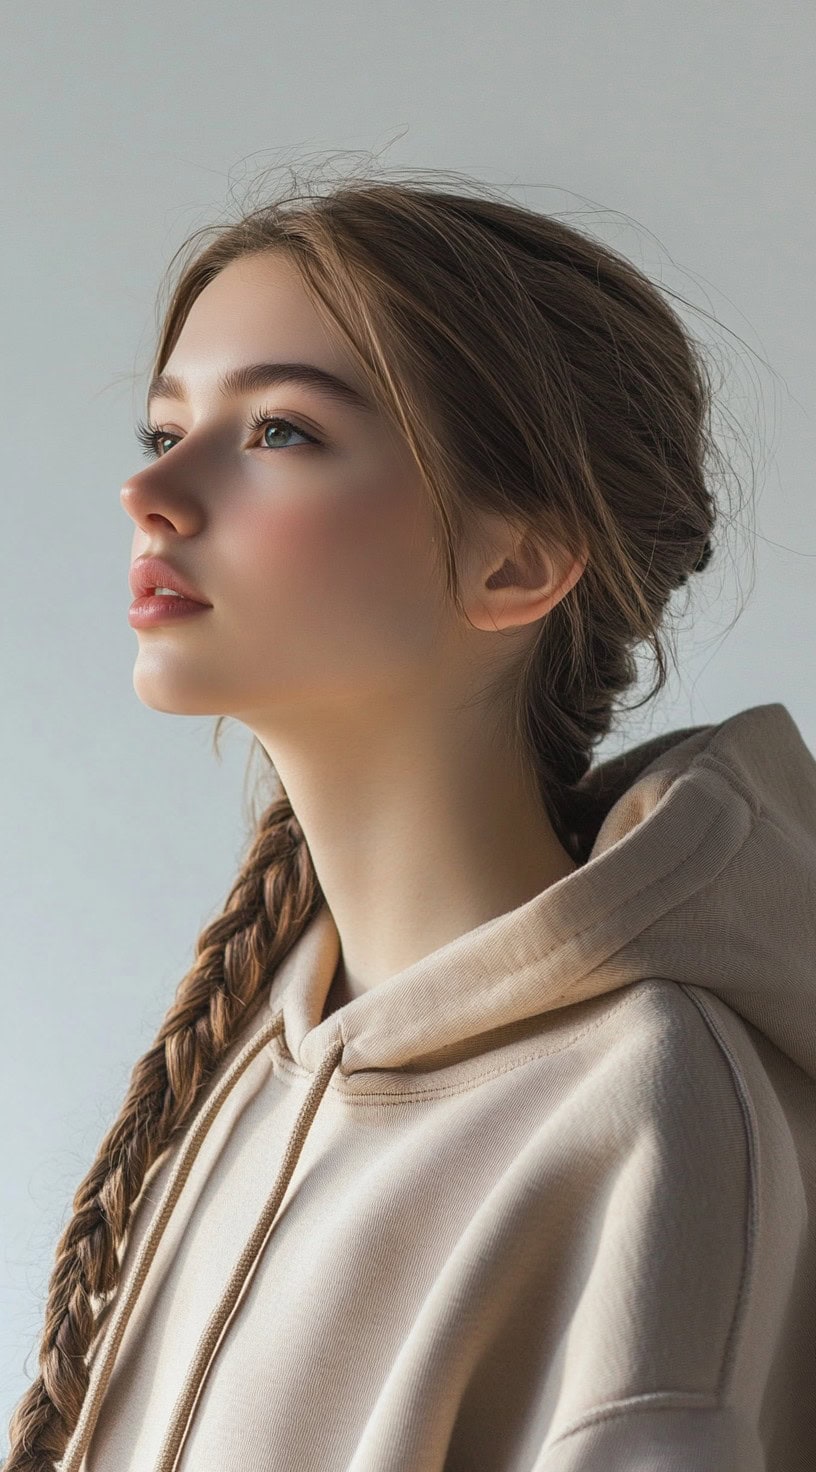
(534, 372)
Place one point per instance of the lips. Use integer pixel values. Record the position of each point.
(148, 573)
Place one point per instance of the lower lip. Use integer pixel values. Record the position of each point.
(144, 612)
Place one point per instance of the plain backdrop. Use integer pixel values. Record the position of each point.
(679, 131)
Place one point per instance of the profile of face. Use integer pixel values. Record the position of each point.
(311, 537)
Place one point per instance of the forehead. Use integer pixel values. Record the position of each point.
(254, 320)
(266, 288)
(256, 309)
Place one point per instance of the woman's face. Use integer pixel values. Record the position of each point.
(312, 540)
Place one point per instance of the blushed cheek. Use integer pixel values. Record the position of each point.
(297, 556)
(286, 536)
(363, 546)
(339, 589)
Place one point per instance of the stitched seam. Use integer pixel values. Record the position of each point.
(638, 989)
(719, 770)
(752, 1151)
(760, 812)
(657, 1400)
(600, 916)
(705, 758)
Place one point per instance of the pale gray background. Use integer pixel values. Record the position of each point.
(681, 131)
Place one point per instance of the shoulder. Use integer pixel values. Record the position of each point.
(697, 1206)
(663, 1058)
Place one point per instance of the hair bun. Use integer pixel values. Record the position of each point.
(702, 561)
(705, 556)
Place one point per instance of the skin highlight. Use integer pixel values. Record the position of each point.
(330, 637)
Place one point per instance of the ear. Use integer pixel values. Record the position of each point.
(514, 577)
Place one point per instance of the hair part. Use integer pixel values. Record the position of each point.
(535, 373)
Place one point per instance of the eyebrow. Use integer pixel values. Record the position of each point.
(253, 376)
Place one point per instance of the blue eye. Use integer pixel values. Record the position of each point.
(151, 436)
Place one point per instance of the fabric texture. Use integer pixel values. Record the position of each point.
(543, 1201)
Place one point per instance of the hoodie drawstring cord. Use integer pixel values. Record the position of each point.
(221, 1316)
(103, 1364)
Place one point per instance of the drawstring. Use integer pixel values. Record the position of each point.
(103, 1365)
(219, 1320)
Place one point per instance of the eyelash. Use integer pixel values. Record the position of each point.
(149, 435)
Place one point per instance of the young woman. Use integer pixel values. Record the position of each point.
(479, 1134)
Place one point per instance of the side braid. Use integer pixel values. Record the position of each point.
(273, 898)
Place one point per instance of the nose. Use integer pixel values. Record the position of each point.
(149, 499)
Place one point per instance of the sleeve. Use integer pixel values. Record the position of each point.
(678, 1350)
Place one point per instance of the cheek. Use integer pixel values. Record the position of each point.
(337, 588)
(365, 554)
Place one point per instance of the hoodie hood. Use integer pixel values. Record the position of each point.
(703, 872)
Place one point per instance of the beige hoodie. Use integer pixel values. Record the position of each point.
(544, 1201)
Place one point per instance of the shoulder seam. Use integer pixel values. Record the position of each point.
(752, 1151)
